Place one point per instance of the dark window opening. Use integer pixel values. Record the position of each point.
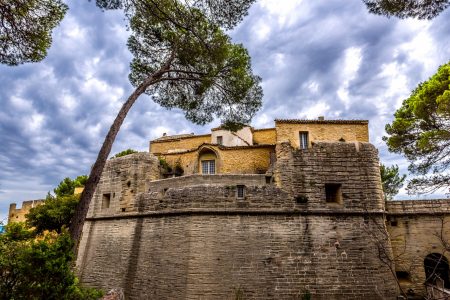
(303, 140)
(333, 193)
(240, 192)
(268, 179)
(394, 223)
(437, 270)
(402, 275)
(128, 183)
(123, 209)
(106, 200)
(220, 140)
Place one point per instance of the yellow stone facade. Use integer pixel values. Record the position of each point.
(188, 151)
(348, 131)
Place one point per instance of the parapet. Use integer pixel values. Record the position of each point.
(18, 214)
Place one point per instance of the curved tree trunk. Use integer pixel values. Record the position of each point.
(77, 222)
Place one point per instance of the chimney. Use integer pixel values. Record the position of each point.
(321, 118)
(164, 134)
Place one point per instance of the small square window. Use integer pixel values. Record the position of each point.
(240, 192)
(304, 139)
(333, 193)
(106, 200)
(220, 140)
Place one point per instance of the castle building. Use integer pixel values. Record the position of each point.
(281, 213)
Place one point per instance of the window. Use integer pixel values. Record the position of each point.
(106, 199)
(240, 192)
(220, 140)
(303, 140)
(208, 167)
(333, 193)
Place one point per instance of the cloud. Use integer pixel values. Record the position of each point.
(316, 58)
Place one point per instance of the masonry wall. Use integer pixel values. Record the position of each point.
(122, 179)
(417, 228)
(200, 242)
(305, 173)
(185, 143)
(194, 239)
(264, 136)
(230, 160)
(348, 132)
(18, 214)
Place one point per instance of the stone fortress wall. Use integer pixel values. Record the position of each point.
(276, 222)
(417, 229)
(306, 230)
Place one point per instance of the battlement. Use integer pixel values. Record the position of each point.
(18, 214)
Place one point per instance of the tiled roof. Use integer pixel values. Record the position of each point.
(221, 147)
(294, 121)
(177, 137)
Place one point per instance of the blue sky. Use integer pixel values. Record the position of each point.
(323, 57)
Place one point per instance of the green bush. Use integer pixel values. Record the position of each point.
(38, 266)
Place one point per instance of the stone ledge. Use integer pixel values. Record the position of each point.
(235, 212)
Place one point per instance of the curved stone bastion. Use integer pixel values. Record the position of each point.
(313, 225)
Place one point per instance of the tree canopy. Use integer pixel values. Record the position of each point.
(54, 214)
(421, 131)
(420, 9)
(124, 153)
(67, 186)
(26, 27)
(184, 60)
(391, 181)
(38, 266)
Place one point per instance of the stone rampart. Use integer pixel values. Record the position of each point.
(195, 237)
(417, 228)
(354, 167)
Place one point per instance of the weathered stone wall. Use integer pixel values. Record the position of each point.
(322, 131)
(230, 160)
(217, 256)
(194, 239)
(122, 179)
(18, 214)
(304, 173)
(264, 136)
(417, 228)
(184, 143)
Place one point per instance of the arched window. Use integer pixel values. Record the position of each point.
(208, 161)
(437, 270)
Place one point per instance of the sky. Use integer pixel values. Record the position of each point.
(316, 58)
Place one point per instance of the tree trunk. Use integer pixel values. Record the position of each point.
(77, 222)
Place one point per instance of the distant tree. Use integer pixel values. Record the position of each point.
(391, 181)
(38, 267)
(67, 186)
(183, 59)
(420, 9)
(54, 214)
(421, 131)
(26, 27)
(124, 153)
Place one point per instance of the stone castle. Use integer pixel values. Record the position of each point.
(280, 213)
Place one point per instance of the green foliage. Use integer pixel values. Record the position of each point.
(124, 152)
(201, 71)
(38, 267)
(421, 132)
(26, 27)
(402, 9)
(67, 186)
(391, 181)
(223, 13)
(54, 214)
